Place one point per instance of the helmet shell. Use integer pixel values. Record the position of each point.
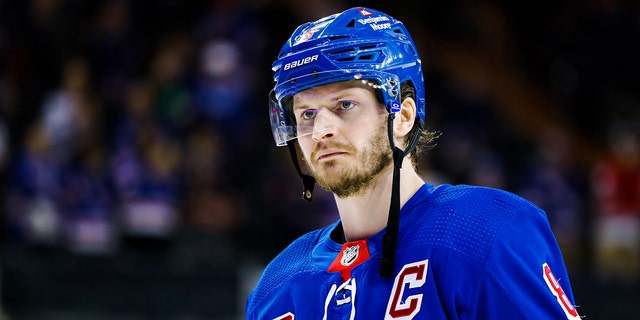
(331, 49)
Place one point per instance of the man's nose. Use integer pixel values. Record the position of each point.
(324, 125)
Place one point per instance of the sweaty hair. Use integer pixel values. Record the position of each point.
(427, 138)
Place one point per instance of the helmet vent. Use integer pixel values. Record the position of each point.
(351, 24)
(363, 53)
(332, 38)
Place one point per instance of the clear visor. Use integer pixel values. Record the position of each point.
(350, 101)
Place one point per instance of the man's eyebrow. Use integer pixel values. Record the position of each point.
(342, 95)
(301, 107)
(346, 92)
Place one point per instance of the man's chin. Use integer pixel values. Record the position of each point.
(329, 178)
(331, 170)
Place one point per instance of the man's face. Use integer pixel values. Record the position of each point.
(342, 134)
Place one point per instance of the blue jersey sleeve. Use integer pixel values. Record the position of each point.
(525, 274)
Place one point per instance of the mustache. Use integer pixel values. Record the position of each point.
(332, 145)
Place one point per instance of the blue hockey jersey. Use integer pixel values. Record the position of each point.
(463, 252)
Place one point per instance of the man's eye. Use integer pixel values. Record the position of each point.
(308, 114)
(346, 104)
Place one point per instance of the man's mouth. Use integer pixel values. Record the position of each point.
(330, 155)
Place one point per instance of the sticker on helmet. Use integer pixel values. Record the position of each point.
(395, 106)
(364, 12)
(299, 62)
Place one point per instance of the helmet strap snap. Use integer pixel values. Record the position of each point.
(308, 182)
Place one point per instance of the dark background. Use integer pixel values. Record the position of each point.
(139, 179)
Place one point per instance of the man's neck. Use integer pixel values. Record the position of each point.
(366, 214)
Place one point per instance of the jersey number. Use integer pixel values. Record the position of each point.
(557, 291)
(412, 275)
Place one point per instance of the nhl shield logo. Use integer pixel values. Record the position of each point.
(350, 255)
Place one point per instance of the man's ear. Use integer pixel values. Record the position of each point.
(405, 118)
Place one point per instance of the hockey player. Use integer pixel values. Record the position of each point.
(349, 101)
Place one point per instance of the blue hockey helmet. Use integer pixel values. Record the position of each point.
(357, 44)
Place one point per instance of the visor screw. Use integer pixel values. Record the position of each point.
(315, 73)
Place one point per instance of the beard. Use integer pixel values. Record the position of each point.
(347, 180)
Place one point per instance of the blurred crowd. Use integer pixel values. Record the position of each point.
(126, 120)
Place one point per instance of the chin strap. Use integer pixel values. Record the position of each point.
(390, 238)
(308, 182)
